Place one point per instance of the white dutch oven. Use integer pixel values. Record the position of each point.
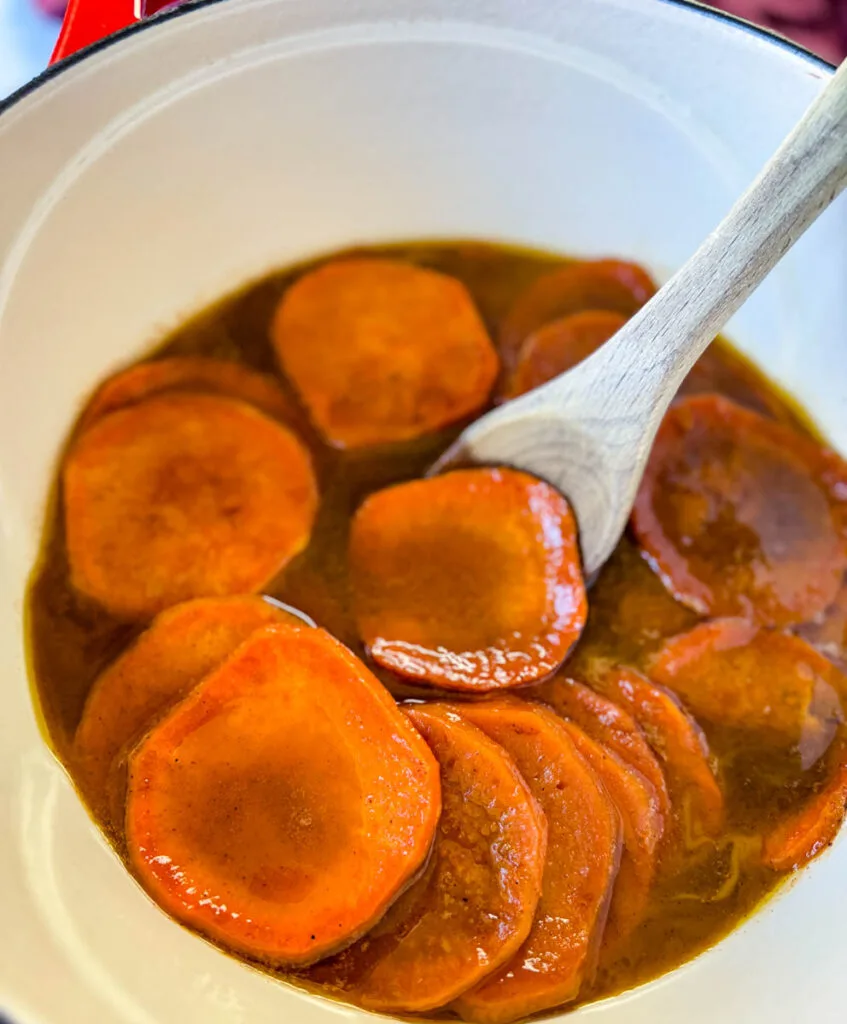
(191, 154)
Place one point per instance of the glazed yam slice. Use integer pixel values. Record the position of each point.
(179, 648)
(188, 373)
(183, 496)
(674, 735)
(813, 828)
(382, 351)
(733, 673)
(583, 854)
(475, 904)
(711, 513)
(285, 803)
(643, 828)
(612, 285)
(468, 581)
(608, 724)
(559, 346)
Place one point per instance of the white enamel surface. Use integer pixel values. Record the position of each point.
(188, 158)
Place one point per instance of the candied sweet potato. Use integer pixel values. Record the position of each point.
(736, 514)
(468, 581)
(606, 722)
(583, 855)
(677, 739)
(383, 351)
(187, 373)
(813, 828)
(643, 827)
(612, 285)
(734, 673)
(475, 903)
(183, 496)
(559, 346)
(285, 803)
(179, 647)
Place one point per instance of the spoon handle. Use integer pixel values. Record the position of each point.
(802, 178)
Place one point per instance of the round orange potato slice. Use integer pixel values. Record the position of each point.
(606, 722)
(187, 373)
(583, 854)
(806, 833)
(183, 496)
(382, 351)
(180, 646)
(284, 804)
(643, 828)
(468, 581)
(679, 741)
(559, 346)
(731, 672)
(475, 903)
(720, 486)
(612, 285)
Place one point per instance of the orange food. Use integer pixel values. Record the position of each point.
(583, 854)
(612, 285)
(677, 739)
(469, 581)
(643, 828)
(188, 373)
(714, 508)
(284, 804)
(813, 829)
(382, 351)
(183, 496)
(475, 903)
(559, 346)
(608, 724)
(734, 673)
(180, 647)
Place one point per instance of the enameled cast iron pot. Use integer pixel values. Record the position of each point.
(153, 172)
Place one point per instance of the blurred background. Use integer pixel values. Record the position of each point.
(28, 30)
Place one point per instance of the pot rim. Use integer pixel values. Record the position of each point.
(55, 70)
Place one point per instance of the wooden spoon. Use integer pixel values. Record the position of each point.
(589, 431)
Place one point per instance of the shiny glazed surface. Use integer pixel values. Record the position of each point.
(716, 881)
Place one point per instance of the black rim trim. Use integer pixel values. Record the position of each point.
(57, 69)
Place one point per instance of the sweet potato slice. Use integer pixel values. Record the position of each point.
(643, 828)
(188, 373)
(382, 351)
(677, 739)
(712, 514)
(183, 496)
(812, 829)
(610, 725)
(731, 672)
(613, 285)
(284, 804)
(469, 581)
(475, 903)
(180, 647)
(583, 854)
(559, 346)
